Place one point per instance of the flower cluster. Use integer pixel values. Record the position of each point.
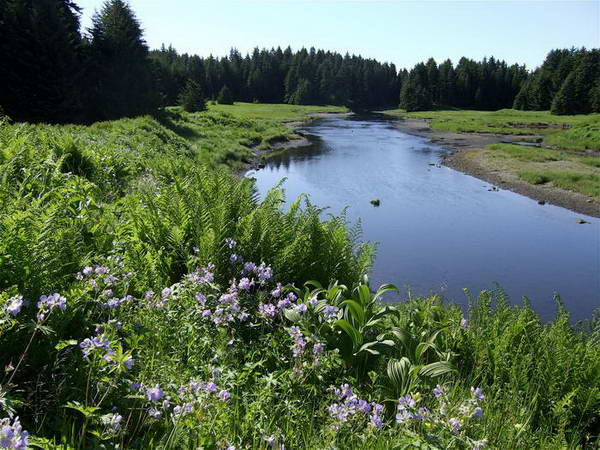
(202, 275)
(226, 309)
(407, 411)
(189, 395)
(14, 305)
(100, 343)
(349, 406)
(49, 302)
(12, 434)
(114, 302)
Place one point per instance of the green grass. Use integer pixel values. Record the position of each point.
(584, 183)
(526, 153)
(278, 112)
(584, 132)
(581, 137)
(149, 205)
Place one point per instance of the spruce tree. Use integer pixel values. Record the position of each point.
(191, 98)
(225, 97)
(41, 58)
(124, 77)
(565, 101)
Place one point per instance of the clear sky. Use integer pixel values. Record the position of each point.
(402, 32)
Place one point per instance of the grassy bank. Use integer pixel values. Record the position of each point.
(579, 132)
(169, 308)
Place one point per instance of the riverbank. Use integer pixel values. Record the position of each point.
(473, 154)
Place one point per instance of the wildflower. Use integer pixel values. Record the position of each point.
(234, 258)
(477, 413)
(101, 270)
(477, 394)
(406, 402)
(201, 299)
(108, 293)
(284, 303)
(245, 284)
(243, 316)
(202, 275)
(110, 280)
(88, 345)
(149, 295)
(166, 293)
(155, 394)
(301, 308)
(454, 425)
(48, 302)
(375, 417)
(249, 267)
(211, 387)
(318, 348)
(364, 406)
(264, 272)
(87, 271)
(464, 324)
(153, 412)
(439, 391)
(184, 409)
(276, 293)
(135, 387)
(230, 242)
(12, 434)
(113, 421)
(224, 395)
(330, 311)
(128, 363)
(313, 301)
(14, 305)
(206, 313)
(267, 309)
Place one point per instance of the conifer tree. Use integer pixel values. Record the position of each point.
(565, 101)
(191, 98)
(124, 82)
(225, 97)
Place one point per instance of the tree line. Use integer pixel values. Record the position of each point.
(53, 71)
(488, 85)
(307, 76)
(568, 82)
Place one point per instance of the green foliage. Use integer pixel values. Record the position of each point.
(225, 96)
(191, 98)
(585, 183)
(133, 201)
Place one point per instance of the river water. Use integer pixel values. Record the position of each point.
(438, 230)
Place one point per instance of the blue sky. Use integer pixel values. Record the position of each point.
(402, 32)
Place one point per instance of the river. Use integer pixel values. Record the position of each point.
(438, 230)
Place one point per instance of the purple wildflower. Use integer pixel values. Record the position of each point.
(477, 394)
(201, 299)
(88, 345)
(153, 412)
(276, 293)
(313, 301)
(439, 391)
(230, 242)
(477, 413)
(211, 387)
(245, 284)
(14, 305)
(128, 363)
(464, 324)
(48, 302)
(12, 434)
(375, 417)
(267, 309)
(224, 395)
(318, 348)
(454, 425)
(155, 394)
(330, 311)
(301, 308)
(113, 421)
(149, 295)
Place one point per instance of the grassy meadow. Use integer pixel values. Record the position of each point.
(148, 299)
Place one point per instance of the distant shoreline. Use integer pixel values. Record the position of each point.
(464, 158)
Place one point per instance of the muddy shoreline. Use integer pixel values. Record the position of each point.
(463, 157)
